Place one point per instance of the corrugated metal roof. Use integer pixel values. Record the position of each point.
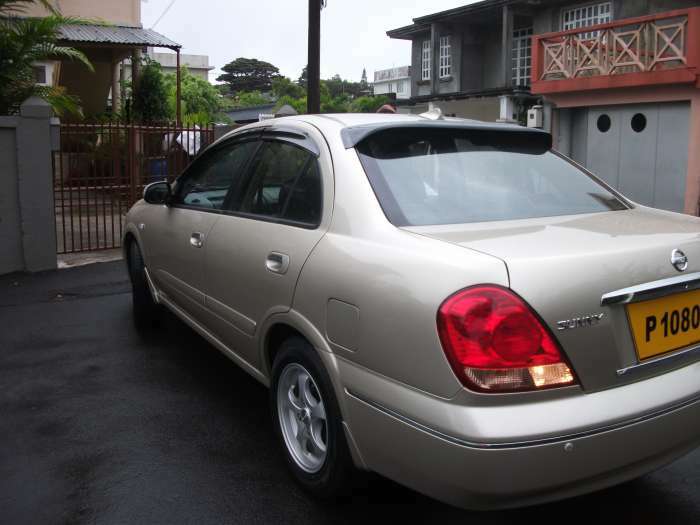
(107, 34)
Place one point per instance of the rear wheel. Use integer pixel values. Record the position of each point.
(308, 422)
(146, 311)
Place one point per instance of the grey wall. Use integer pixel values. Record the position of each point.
(11, 257)
(27, 215)
(472, 57)
(492, 61)
(452, 83)
(418, 86)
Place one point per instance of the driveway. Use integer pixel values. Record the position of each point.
(98, 424)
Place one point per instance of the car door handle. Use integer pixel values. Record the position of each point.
(277, 262)
(197, 239)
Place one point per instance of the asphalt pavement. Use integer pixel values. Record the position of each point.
(101, 425)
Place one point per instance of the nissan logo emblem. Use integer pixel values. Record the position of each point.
(679, 260)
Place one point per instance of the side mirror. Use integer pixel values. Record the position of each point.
(157, 193)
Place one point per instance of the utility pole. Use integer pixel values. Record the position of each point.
(313, 86)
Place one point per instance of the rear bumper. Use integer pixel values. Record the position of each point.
(483, 476)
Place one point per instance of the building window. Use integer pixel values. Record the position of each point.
(426, 57)
(445, 57)
(40, 75)
(522, 56)
(586, 16)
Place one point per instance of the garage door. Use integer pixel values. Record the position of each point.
(642, 150)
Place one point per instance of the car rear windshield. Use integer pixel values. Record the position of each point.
(429, 176)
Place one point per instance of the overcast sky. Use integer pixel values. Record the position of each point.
(353, 32)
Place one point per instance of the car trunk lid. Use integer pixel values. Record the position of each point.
(562, 266)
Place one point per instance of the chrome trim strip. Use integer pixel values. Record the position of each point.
(642, 292)
(518, 444)
(693, 351)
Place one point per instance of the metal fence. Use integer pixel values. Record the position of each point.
(101, 169)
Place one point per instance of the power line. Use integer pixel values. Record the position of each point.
(165, 12)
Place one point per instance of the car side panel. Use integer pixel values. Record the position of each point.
(175, 265)
(241, 291)
(388, 283)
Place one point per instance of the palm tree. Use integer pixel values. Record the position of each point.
(24, 41)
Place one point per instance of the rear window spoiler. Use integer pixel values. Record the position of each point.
(353, 135)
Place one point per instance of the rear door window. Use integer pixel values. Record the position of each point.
(425, 176)
(284, 184)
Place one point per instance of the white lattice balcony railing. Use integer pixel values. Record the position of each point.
(663, 48)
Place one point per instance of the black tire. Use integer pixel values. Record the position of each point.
(146, 311)
(338, 470)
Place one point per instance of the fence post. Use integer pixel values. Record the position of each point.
(132, 164)
(35, 184)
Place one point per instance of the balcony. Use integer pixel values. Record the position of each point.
(645, 51)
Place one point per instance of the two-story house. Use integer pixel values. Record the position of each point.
(619, 81)
(119, 36)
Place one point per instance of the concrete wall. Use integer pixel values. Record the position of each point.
(492, 58)
(452, 83)
(198, 65)
(92, 87)
(473, 49)
(27, 216)
(477, 59)
(418, 87)
(478, 108)
(401, 87)
(11, 258)
(119, 12)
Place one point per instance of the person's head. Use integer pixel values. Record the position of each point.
(387, 108)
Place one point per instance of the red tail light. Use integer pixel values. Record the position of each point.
(496, 343)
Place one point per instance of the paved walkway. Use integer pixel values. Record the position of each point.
(99, 425)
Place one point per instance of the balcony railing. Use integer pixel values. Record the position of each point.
(655, 49)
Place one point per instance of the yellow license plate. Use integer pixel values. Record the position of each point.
(665, 324)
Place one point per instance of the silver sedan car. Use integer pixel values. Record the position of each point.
(445, 302)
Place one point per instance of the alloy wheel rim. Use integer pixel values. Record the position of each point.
(302, 416)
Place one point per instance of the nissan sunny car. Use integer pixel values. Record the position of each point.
(448, 303)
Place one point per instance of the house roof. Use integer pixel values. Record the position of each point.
(422, 23)
(249, 114)
(110, 34)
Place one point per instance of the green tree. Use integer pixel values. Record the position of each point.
(338, 87)
(303, 79)
(248, 74)
(24, 41)
(248, 99)
(200, 101)
(339, 104)
(368, 104)
(283, 86)
(150, 102)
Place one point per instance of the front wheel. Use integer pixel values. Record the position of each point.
(146, 310)
(308, 422)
